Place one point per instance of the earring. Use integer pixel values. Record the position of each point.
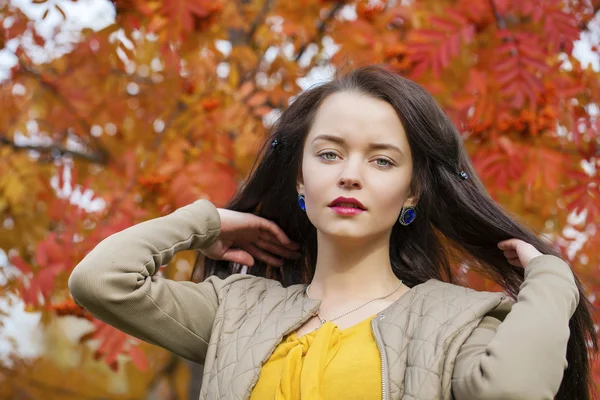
(301, 202)
(407, 215)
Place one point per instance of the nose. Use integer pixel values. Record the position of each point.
(350, 178)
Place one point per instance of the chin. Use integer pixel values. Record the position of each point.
(347, 233)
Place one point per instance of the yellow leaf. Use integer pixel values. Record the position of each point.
(234, 76)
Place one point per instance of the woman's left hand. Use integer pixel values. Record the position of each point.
(518, 252)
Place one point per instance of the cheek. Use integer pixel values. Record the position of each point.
(390, 202)
(389, 195)
(316, 178)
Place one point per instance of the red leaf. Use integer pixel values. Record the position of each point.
(45, 280)
(507, 76)
(138, 357)
(442, 23)
(456, 16)
(546, 164)
(182, 12)
(41, 258)
(560, 30)
(18, 262)
(436, 48)
(500, 165)
(518, 62)
(535, 63)
(584, 195)
(429, 35)
(112, 343)
(25, 294)
(30, 293)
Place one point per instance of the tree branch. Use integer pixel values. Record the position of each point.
(102, 152)
(500, 21)
(54, 151)
(260, 18)
(585, 26)
(320, 28)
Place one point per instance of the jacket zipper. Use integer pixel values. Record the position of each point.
(383, 355)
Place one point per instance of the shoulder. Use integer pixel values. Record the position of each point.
(443, 291)
(250, 289)
(435, 297)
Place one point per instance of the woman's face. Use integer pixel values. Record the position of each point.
(357, 148)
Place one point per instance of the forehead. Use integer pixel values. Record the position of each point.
(358, 117)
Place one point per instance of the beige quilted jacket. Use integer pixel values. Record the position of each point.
(438, 341)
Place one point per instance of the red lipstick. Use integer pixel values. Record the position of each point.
(347, 206)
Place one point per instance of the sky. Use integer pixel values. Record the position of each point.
(97, 14)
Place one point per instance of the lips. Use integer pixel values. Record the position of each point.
(347, 202)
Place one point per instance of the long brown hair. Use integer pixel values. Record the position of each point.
(455, 216)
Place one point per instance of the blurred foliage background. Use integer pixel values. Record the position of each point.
(117, 112)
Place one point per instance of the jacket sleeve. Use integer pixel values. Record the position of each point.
(116, 281)
(524, 356)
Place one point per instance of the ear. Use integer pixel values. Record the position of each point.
(300, 183)
(300, 187)
(411, 201)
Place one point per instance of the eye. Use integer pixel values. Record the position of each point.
(383, 162)
(328, 155)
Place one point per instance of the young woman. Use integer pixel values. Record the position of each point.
(365, 202)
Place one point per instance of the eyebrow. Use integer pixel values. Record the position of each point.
(374, 146)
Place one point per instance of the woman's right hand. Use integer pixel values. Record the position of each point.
(245, 237)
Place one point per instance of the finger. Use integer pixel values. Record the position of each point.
(507, 244)
(273, 228)
(270, 237)
(238, 256)
(263, 255)
(276, 249)
(511, 254)
(514, 261)
(510, 243)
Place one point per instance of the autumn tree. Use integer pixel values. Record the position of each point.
(170, 101)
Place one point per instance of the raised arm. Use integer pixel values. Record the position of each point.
(115, 282)
(524, 356)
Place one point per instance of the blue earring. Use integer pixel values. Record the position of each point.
(301, 202)
(407, 215)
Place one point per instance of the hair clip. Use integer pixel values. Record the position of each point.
(274, 143)
(464, 175)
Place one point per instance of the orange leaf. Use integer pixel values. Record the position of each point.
(257, 99)
(210, 104)
(245, 89)
(261, 111)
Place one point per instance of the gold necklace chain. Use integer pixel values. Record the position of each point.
(323, 320)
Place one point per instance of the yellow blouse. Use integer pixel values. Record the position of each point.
(327, 363)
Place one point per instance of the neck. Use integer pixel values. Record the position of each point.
(359, 269)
